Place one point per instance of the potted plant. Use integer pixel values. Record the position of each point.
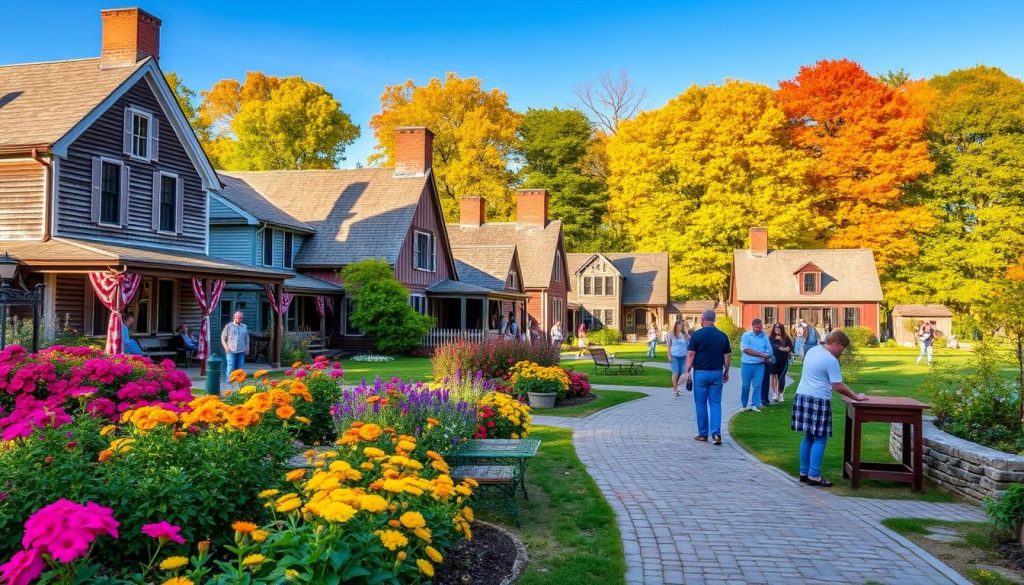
(540, 392)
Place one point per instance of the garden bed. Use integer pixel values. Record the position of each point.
(494, 557)
(964, 468)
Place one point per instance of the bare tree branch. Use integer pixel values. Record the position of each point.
(611, 100)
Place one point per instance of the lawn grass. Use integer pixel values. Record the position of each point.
(652, 377)
(978, 547)
(888, 372)
(605, 399)
(568, 527)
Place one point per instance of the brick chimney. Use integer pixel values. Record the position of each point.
(414, 149)
(759, 241)
(129, 36)
(471, 211)
(531, 208)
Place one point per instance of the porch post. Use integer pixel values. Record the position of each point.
(462, 313)
(278, 327)
(207, 291)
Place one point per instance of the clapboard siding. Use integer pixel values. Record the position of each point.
(104, 138)
(278, 260)
(425, 219)
(22, 193)
(69, 301)
(235, 243)
(219, 211)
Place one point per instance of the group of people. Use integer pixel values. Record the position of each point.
(701, 360)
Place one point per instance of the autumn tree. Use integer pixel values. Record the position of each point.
(610, 101)
(474, 138)
(867, 143)
(692, 177)
(553, 147)
(976, 136)
(274, 123)
(186, 98)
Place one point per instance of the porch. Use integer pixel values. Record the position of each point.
(464, 311)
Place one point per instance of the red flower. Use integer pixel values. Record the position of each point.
(490, 424)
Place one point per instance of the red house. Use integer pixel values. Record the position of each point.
(829, 288)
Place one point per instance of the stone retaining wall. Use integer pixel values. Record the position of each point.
(963, 467)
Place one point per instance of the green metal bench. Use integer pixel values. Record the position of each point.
(498, 480)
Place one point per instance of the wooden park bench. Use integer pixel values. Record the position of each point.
(497, 480)
(156, 349)
(611, 365)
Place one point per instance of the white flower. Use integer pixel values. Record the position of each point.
(372, 358)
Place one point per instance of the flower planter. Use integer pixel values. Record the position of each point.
(542, 399)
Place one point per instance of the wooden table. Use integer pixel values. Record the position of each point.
(888, 410)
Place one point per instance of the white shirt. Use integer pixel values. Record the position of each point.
(821, 370)
(556, 332)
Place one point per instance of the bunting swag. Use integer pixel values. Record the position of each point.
(324, 305)
(206, 306)
(115, 290)
(281, 306)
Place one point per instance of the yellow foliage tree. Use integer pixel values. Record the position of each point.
(692, 177)
(474, 138)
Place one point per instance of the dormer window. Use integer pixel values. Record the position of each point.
(139, 129)
(810, 283)
(808, 279)
(510, 282)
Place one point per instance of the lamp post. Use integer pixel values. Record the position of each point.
(9, 297)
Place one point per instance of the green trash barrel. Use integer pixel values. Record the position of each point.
(214, 372)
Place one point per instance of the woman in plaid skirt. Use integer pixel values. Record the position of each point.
(812, 407)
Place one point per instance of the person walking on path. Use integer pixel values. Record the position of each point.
(678, 341)
(235, 340)
(652, 340)
(708, 358)
(757, 352)
(812, 407)
(925, 336)
(535, 334)
(799, 331)
(782, 347)
(581, 338)
(556, 334)
(811, 337)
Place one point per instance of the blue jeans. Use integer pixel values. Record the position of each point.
(232, 362)
(752, 376)
(707, 396)
(650, 347)
(812, 452)
(678, 364)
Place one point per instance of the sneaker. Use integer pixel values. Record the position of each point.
(755, 409)
(716, 439)
(701, 439)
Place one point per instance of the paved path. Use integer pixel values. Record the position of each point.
(695, 513)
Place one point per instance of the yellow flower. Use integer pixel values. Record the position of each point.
(260, 535)
(295, 475)
(373, 452)
(107, 430)
(401, 555)
(290, 574)
(337, 512)
(287, 503)
(253, 559)
(369, 432)
(422, 534)
(425, 567)
(243, 527)
(433, 554)
(178, 581)
(467, 513)
(373, 503)
(393, 539)
(296, 365)
(106, 455)
(173, 563)
(303, 420)
(440, 466)
(249, 389)
(268, 493)
(259, 374)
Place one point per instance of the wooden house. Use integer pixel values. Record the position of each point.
(906, 319)
(625, 291)
(830, 288)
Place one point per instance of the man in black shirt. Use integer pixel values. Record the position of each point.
(708, 359)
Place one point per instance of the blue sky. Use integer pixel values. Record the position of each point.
(534, 51)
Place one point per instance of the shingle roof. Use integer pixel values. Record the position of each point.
(357, 214)
(692, 306)
(645, 275)
(237, 192)
(484, 266)
(454, 286)
(922, 311)
(41, 102)
(305, 283)
(537, 246)
(847, 275)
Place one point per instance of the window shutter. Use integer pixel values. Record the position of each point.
(179, 205)
(127, 142)
(156, 200)
(97, 189)
(433, 253)
(154, 143)
(415, 250)
(126, 176)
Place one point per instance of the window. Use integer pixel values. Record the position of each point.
(110, 193)
(100, 317)
(589, 320)
(140, 136)
(599, 286)
(587, 288)
(168, 203)
(558, 311)
(559, 269)
(609, 318)
(289, 242)
(418, 303)
(609, 285)
(810, 284)
(268, 247)
(510, 282)
(165, 306)
(350, 329)
(423, 251)
(851, 316)
(770, 315)
(291, 321)
(141, 306)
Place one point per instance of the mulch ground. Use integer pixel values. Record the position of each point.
(485, 560)
(575, 401)
(1013, 552)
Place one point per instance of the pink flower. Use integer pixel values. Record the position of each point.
(337, 373)
(163, 531)
(23, 568)
(66, 529)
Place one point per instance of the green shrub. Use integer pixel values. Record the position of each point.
(940, 342)
(295, 349)
(1007, 513)
(725, 325)
(492, 358)
(890, 343)
(861, 336)
(381, 307)
(606, 336)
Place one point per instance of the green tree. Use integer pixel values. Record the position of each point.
(976, 137)
(272, 123)
(186, 98)
(381, 307)
(1003, 312)
(553, 145)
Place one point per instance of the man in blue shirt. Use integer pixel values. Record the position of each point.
(757, 351)
(707, 360)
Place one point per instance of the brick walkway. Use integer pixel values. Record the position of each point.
(695, 513)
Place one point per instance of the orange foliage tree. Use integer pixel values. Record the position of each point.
(867, 141)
